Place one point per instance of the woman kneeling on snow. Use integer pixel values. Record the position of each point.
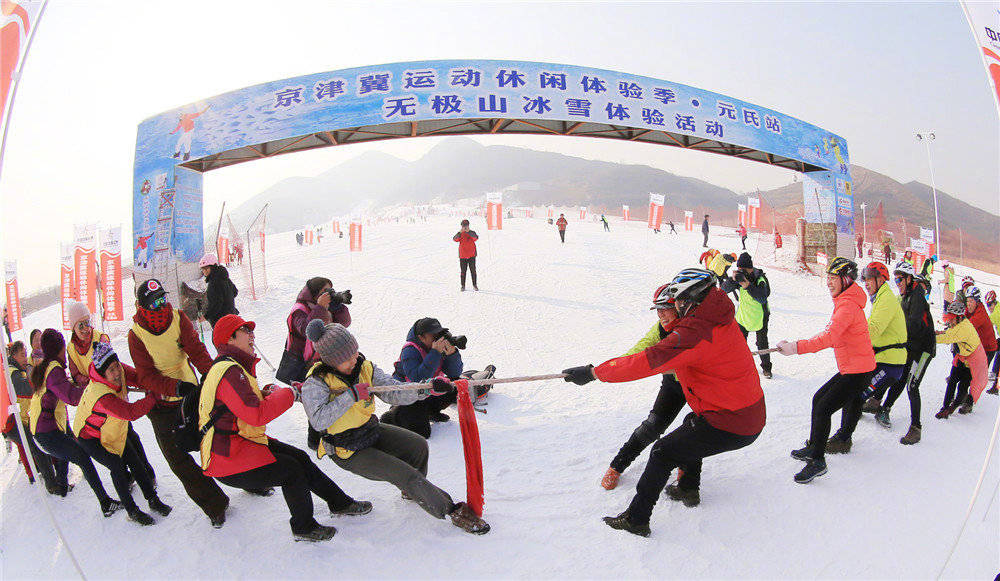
(237, 452)
(336, 399)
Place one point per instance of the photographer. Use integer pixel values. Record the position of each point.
(427, 353)
(752, 314)
(316, 300)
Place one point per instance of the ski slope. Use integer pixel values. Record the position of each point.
(884, 511)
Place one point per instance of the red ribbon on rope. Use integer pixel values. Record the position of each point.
(470, 446)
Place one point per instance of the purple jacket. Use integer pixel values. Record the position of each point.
(306, 310)
(57, 387)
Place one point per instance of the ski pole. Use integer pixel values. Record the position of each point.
(262, 356)
(472, 382)
(765, 351)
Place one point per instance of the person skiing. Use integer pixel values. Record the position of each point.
(847, 334)
(994, 310)
(236, 449)
(220, 292)
(741, 231)
(561, 224)
(164, 345)
(920, 349)
(605, 222)
(337, 401)
(968, 368)
(720, 384)
(704, 231)
(102, 425)
(668, 403)
(185, 124)
(466, 239)
(671, 224)
(753, 313)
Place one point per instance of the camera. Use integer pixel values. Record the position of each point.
(739, 276)
(343, 297)
(460, 342)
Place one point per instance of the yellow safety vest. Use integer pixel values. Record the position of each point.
(23, 402)
(82, 362)
(165, 349)
(749, 313)
(35, 410)
(206, 403)
(356, 416)
(114, 431)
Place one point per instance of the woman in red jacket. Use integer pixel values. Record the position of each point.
(847, 333)
(235, 449)
(712, 362)
(466, 239)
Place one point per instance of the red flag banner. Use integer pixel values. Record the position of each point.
(583, 212)
(222, 249)
(625, 213)
(655, 213)
(13, 299)
(984, 18)
(474, 484)
(741, 214)
(494, 211)
(688, 220)
(355, 237)
(17, 23)
(67, 281)
(85, 264)
(111, 273)
(753, 212)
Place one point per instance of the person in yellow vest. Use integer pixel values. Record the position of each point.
(336, 399)
(968, 367)
(164, 345)
(102, 426)
(53, 391)
(994, 310)
(234, 411)
(35, 342)
(721, 263)
(753, 313)
(948, 286)
(18, 371)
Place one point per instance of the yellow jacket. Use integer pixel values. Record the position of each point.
(963, 335)
(887, 327)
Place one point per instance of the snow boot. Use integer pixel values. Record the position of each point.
(882, 418)
(993, 390)
(804, 454)
(622, 523)
(260, 491)
(218, 520)
(318, 533)
(911, 437)
(110, 506)
(140, 517)
(871, 406)
(767, 373)
(610, 480)
(463, 518)
(838, 445)
(943, 413)
(966, 408)
(475, 288)
(439, 417)
(813, 469)
(690, 498)
(156, 505)
(356, 508)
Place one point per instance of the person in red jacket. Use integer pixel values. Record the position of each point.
(236, 450)
(980, 319)
(713, 364)
(466, 239)
(561, 224)
(847, 333)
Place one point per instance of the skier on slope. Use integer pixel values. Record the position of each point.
(605, 222)
(704, 231)
(720, 384)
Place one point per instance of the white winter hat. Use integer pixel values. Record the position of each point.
(77, 312)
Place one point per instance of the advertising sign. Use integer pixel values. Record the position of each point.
(111, 273)
(818, 197)
(355, 237)
(655, 212)
(85, 264)
(625, 213)
(494, 211)
(67, 281)
(13, 298)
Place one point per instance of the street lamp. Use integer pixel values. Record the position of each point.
(864, 222)
(927, 137)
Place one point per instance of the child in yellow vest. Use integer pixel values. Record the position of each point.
(336, 399)
(968, 371)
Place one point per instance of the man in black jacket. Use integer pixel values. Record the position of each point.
(704, 230)
(920, 348)
(221, 292)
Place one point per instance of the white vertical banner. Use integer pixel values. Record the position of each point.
(13, 296)
(111, 273)
(927, 234)
(984, 18)
(753, 212)
(85, 267)
(655, 213)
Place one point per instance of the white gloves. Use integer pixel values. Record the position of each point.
(787, 347)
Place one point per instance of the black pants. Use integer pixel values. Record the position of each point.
(761, 335)
(916, 366)
(841, 391)
(705, 243)
(60, 445)
(884, 376)
(416, 417)
(960, 378)
(121, 467)
(299, 478)
(43, 462)
(470, 264)
(606, 229)
(669, 402)
(204, 491)
(743, 241)
(683, 448)
(562, 235)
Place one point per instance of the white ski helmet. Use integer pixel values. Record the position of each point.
(690, 284)
(956, 308)
(905, 268)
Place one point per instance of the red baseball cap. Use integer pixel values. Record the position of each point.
(226, 327)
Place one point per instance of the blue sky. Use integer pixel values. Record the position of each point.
(873, 73)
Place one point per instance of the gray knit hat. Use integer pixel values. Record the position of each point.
(332, 341)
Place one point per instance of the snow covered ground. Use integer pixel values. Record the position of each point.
(883, 511)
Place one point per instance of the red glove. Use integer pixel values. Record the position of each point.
(360, 391)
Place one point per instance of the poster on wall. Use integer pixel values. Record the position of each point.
(818, 197)
(845, 205)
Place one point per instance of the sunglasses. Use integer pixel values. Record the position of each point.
(245, 329)
(898, 279)
(84, 324)
(157, 303)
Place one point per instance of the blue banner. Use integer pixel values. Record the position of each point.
(818, 198)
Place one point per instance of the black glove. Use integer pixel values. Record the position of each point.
(184, 388)
(580, 375)
(441, 386)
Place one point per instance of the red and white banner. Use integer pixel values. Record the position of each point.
(625, 213)
(984, 18)
(222, 249)
(741, 214)
(583, 212)
(309, 235)
(85, 264)
(753, 212)
(655, 213)
(67, 281)
(355, 237)
(688, 220)
(18, 21)
(494, 211)
(111, 273)
(13, 298)
(550, 212)
(336, 227)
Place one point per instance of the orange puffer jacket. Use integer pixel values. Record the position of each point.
(847, 333)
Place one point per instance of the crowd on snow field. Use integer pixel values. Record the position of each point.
(217, 408)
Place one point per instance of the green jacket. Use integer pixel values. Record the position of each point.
(654, 336)
(887, 327)
(995, 317)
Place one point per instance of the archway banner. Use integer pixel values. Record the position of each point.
(13, 298)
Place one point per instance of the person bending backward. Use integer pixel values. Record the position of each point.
(920, 349)
(968, 367)
(18, 371)
(669, 400)
(48, 419)
(164, 345)
(102, 425)
(976, 313)
(753, 313)
(336, 399)
(712, 361)
(236, 450)
(847, 334)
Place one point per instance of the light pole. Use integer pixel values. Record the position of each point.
(927, 137)
(864, 223)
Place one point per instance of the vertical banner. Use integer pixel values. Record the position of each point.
(355, 237)
(927, 234)
(625, 213)
(583, 212)
(844, 197)
(336, 227)
(17, 26)
(67, 290)
(494, 211)
(111, 273)
(688, 221)
(655, 213)
(85, 264)
(13, 299)
(984, 18)
(753, 212)
(741, 214)
(310, 234)
(222, 249)
(550, 212)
